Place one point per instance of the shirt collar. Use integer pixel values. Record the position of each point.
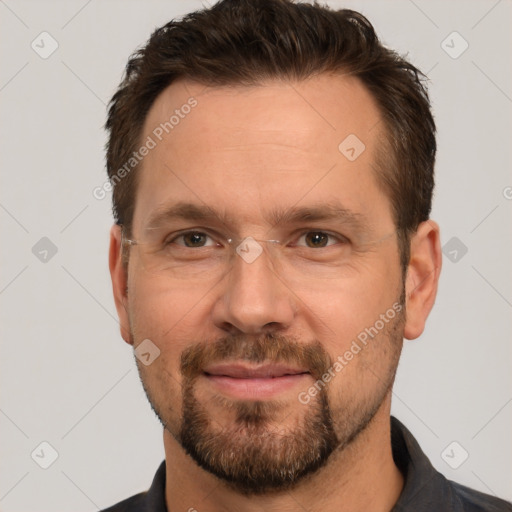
(425, 489)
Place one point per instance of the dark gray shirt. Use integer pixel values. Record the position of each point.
(425, 489)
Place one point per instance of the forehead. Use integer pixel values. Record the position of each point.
(244, 148)
(321, 109)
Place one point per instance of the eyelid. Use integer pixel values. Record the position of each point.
(341, 238)
(174, 236)
(215, 237)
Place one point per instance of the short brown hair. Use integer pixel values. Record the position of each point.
(245, 42)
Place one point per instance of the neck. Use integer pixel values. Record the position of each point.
(360, 477)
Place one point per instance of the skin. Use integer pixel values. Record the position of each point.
(245, 150)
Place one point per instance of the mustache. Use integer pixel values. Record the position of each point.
(264, 348)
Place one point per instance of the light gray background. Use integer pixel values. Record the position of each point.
(67, 377)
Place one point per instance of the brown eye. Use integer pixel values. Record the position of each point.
(192, 239)
(320, 239)
(317, 239)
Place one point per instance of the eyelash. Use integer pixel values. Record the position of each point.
(342, 239)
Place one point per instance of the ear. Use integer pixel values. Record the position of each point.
(422, 277)
(118, 274)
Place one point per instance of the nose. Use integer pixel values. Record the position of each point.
(253, 297)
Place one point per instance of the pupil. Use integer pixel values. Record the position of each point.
(195, 237)
(318, 237)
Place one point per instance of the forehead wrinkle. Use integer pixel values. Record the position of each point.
(277, 215)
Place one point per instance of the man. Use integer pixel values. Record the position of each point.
(272, 167)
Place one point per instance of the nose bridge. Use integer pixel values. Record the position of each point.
(254, 296)
(250, 249)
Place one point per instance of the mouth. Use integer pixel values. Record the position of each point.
(254, 382)
(241, 371)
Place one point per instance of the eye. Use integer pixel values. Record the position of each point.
(192, 239)
(320, 239)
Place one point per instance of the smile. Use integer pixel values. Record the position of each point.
(245, 382)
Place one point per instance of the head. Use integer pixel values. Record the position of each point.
(276, 121)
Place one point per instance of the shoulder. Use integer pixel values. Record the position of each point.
(133, 504)
(152, 500)
(426, 489)
(475, 501)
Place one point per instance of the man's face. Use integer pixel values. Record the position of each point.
(330, 291)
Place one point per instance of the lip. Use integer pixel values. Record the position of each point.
(254, 383)
(243, 371)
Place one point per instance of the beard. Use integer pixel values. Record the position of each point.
(253, 453)
(254, 457)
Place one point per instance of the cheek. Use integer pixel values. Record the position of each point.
(163, 388)
(367, 361)
(172, 318)
(161, 308)
(344, 308)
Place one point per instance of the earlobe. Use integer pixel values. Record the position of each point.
(422, 277)
(119, 279)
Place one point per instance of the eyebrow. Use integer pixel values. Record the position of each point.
(278, 215)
